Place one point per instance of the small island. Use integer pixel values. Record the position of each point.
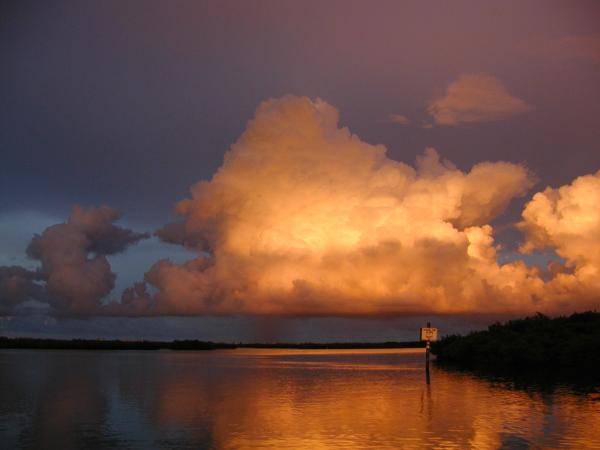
(560, 343)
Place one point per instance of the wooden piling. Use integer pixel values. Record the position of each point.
(427, 348)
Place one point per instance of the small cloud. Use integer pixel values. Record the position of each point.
(427, 125)
(399, 119)
(475, 98)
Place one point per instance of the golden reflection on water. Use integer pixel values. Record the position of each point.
(276, 399)
(364, 399)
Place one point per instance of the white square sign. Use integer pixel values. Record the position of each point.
(429, 334)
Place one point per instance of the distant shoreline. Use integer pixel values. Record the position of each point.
(116, 344)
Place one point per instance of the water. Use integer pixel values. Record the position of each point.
(276, 399)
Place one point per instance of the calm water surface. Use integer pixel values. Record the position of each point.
(275, 399)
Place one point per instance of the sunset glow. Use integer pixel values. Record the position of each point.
(300, 225)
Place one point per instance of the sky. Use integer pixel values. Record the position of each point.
(296, 170)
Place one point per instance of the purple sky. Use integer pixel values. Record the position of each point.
(129, 104)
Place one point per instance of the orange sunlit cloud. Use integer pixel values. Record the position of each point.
(399, 119)
(567, 221)
(475, 98)
(305, 218)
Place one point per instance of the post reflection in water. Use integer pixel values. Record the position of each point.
(284, 399)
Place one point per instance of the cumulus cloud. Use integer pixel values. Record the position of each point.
(17, 285)
(475, 98)
(74, 274)
(567, 221)
(305, 218)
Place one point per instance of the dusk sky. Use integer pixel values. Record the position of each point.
(335, 170)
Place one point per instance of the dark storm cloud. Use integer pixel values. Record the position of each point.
(176, 233)
(74, 269)
(17, 285)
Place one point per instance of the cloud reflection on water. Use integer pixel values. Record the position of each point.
(281, 399)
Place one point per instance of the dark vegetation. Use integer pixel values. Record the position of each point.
(99, 344)
(531, 343)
